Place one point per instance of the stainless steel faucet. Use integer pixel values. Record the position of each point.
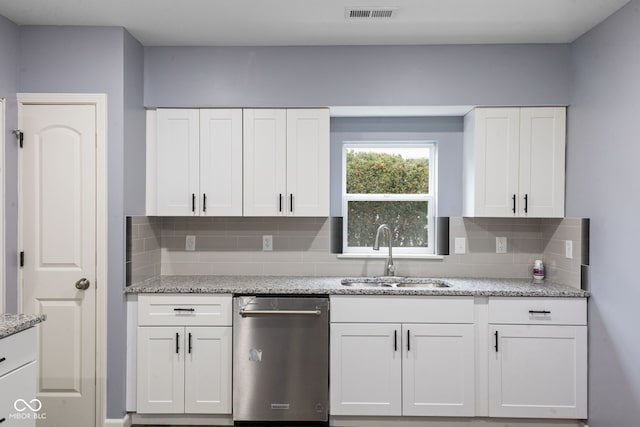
(389, 268)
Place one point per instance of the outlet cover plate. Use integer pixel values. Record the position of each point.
(568, 249)
(267, 243)
(461, 245)
(501, 245)
(190, 243)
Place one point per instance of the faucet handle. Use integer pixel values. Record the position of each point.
(392, 269)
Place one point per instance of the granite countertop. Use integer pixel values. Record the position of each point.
(13, 323)
(331, 286)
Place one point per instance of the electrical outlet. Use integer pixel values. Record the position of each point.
(190, 243)
(501, 245)
(461, 245)
(568, 248)
(267, 243)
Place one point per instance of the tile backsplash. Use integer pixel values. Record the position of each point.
(233, 246)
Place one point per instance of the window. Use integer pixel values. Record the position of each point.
(393, 184)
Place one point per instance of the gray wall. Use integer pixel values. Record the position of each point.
(134, 127)
(446, 131)
(91, 60)
(9, 55)
(356, 75)
(602, 183)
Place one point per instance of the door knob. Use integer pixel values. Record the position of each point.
(82, 284)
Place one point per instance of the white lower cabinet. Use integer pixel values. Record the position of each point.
(438, 370)
(538, 368)
(184, 369)
(366, 367)
(394, 369)
(18, 376)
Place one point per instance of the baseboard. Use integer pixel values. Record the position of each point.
(124, 422)
(348, 421)
(182, 419)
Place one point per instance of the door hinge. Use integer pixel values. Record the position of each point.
(22, 259)
(20, 136)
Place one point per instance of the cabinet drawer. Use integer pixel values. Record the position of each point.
(17, 350)
(538, 311)
(184, 310)
(401, 309)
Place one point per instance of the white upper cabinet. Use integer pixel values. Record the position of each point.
(514, 162)
(177, 164)
(221, 162)
(286, 162)
(198, 162)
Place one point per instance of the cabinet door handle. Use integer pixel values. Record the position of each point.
(2, 359)
(193, 202)
(280, 203)
(496, 344)
(189, 342)
(408, 340)
(526, 203)
(395, 340)
(2, 420)
(204, 202)
(291, 202)
(177, 343)
(514, 203)
(539, 312)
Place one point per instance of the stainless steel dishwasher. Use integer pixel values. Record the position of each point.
(280, 359)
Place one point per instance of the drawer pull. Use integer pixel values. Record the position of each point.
(539, 312)
(2, 420)
(185, 309)
(2, 359)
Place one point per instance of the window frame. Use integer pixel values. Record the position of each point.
(430, 198)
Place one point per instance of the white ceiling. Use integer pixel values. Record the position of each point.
(322, 22)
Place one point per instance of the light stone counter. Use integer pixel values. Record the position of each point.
(13, 323)
(249, 285)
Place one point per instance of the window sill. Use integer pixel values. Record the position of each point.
(395, 256)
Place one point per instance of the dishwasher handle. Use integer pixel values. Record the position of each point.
(245, 313)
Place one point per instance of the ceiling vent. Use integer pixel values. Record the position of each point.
(370, 13)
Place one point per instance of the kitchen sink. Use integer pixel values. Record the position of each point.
(390, 282)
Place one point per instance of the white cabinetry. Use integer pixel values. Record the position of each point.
(420, 363)
(184, 354)
(18, 377)
(198, 162)
(286, 162)
(538, 360)
(514, 162)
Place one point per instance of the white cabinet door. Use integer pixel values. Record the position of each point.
(496, 161)
(265, 151)
(538, 371)
(308, 162)
(220, 162)
(208, 370)
(438, 370)
(542, 158)
(19, 384)
(160, 370)
(177, 153)
(366, 369)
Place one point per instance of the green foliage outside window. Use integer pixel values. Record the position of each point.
(384, 173)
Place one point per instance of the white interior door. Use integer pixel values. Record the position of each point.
(58, 237)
